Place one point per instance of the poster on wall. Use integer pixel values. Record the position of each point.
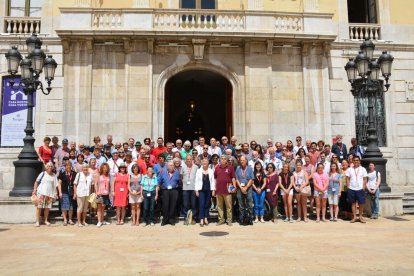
(13, 113)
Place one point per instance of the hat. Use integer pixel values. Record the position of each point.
(65, 141)
(114, 151)
(138, 144)
(107, 146)
(238, 148)
(123, 165)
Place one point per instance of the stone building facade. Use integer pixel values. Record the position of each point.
(279, 63)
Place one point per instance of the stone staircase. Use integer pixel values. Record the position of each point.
(408, 203)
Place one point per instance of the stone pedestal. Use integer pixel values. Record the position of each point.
(391, 204)
(17, 210)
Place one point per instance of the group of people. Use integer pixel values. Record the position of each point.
(190, 178)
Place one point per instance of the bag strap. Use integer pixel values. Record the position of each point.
(40, 180)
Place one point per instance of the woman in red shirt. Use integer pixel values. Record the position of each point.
(45, 152)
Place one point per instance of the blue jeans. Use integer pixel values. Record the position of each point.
(190, 198)
(259, 200)
(204, 203)
(149, 203)
(245, 204)
(375, 203)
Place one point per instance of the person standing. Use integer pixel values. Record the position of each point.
(159, 149)
(357, 182)
(169, 181)
(321, 182)
(205, 187)
(83, 183)
(188, 176)
(344, 205)
(244, 180)
(214, 149)
(120, 183)
(102, 188)
(272, 190)
(45, 189)
(259, 193)
(274, 160)
(45, 151)
(66, 191)
(374, 181)
(300, 181)
(150, 192)
(334, 191)
(339, 148)
(286, 182)
(135, 194)
(356, 150)
(225, 187)
(114, 162)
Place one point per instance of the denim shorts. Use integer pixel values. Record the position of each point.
(356, 196)
(333, 198)
(106, 200)
(66, 202)
(320, 194)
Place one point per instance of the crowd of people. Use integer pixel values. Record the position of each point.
(191, 178)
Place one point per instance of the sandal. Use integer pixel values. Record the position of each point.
(118, 223)
(47, 223)
(71, 222)
(37, 224)
(122, 222)
(65, 223)
(352, 221)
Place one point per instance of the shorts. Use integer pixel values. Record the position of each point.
(322, 195)
(356, 196)
(333, 198)
(106, 200)
(82, 204)
(66, 202)
(282, 193)
(135, 199)
(44, 202)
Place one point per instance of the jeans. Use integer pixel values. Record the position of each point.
(149, 203)
(204, 203)
(259, 200)
(221, 200)
(245, 204)
(190, 197)
(375, 203)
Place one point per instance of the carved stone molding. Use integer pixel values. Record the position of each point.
(198, 48)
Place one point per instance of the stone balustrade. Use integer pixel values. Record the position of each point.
(364, 31)
(163, 21)
(104, 19)
(21, 25)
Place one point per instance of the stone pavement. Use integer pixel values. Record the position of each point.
(379, 247)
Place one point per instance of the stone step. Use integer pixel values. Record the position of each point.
(408, 210)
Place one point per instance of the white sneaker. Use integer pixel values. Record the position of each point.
(99, 224)
(152, 224)
(106, 223)
(144, 224)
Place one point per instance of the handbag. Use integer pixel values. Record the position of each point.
(306, 191)
(34, 200)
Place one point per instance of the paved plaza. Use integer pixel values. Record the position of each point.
(380, 247)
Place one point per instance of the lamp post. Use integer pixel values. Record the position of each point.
(364, 75)
(28, 166)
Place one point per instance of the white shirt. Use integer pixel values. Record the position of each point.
(113, 166)
(276, 161)
(83, 184)
(356, 178)
(47, 186)
(252, 162)
(296, 149)
(135, 154)
(372, 179)
(215, 150)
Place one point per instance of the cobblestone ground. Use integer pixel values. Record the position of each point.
(383, 246)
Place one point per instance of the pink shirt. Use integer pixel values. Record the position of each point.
(103, 185)
(320, 181)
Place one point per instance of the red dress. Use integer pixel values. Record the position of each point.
(45, 154)
(121, 190)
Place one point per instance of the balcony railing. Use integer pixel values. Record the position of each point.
(257, 23)
(364, 31)
(21, 25)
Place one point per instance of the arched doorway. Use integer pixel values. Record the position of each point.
(197, 102)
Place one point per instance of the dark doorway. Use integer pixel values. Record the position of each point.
(197, 103)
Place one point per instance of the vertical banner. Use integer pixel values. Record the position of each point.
(13, 113)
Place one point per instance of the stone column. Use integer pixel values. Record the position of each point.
(310, 5)
(256, 5)
(141, 4)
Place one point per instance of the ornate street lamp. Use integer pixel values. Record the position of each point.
(28, 167)
(369, 82)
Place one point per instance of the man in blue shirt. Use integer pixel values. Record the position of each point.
(168, 182)
(244, 180)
